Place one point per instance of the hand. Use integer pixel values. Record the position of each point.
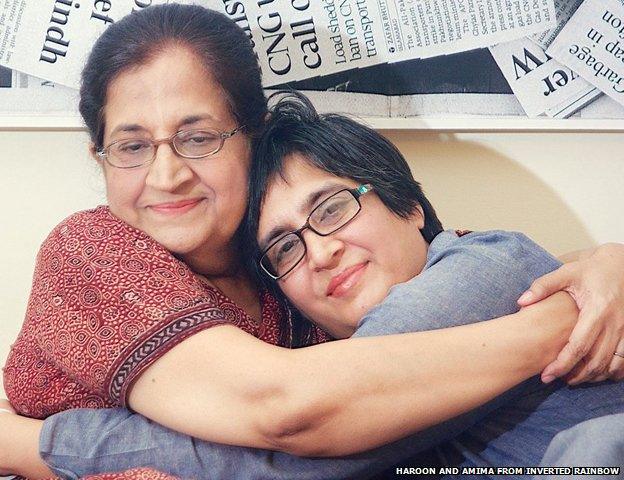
(5, 405)
(597, 285)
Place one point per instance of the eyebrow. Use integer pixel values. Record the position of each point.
(305, 207)
(135, 127)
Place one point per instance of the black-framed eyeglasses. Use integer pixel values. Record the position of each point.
(333, 213)
(137, 152)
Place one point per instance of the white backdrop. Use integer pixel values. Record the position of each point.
(562, 189)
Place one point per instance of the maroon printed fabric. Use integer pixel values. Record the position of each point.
(134, 474)
(106, 302)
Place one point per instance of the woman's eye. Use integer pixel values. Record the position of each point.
(200, 138)
(285, 250)
(332, 211)
(131, 148)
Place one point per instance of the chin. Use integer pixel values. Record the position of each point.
(177, 243)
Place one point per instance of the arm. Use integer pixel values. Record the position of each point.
(126, 440)
(330, 399)
(19, 447)
(444, 267)
(292, 399)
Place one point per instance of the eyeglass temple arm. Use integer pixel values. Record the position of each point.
(362, 189)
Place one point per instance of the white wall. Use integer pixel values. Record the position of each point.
(563, 190)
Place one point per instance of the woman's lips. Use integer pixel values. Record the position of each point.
(344, 281)
(176, 208)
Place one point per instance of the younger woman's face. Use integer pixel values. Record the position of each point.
(348, 272)
(191, 207)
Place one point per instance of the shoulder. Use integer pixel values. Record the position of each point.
(94, 224)
(97, 230)
(469, 278)
(493, 247)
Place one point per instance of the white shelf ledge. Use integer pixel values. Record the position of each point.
(417, 124)
(498, 124)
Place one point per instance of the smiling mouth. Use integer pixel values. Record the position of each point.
(176, 208)
(345, 280)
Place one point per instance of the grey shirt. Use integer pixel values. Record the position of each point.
(466, 279)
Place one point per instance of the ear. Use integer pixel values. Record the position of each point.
(93, 153)
(419, 216)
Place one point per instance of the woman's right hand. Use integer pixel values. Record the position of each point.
(19, 444)
(5, 410)
(595, 347)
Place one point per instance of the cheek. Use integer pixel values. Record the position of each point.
(123, 190)
(299, 291)
(229, 182)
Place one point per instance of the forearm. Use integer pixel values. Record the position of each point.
(346, 396)
(19, 447)
(363, 405)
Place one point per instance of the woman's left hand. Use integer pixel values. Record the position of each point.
(5, 409)
(597, 285)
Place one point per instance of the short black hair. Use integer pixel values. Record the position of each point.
(338, 145)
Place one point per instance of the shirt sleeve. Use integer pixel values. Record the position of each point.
(467, 279)
(106, 302)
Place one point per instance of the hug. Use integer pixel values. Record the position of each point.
(269, 294)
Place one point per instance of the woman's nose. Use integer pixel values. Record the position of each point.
(168, 171)
(323, 252)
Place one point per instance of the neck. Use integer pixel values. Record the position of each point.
(216, 262)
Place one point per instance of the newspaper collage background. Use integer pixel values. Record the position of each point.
(389, 58)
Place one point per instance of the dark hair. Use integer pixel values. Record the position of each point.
(224, 48)
(340, 146)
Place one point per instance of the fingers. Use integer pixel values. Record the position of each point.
(616, 367)
(546, 285)
(6, 406)
(596, 364)
(579, 345)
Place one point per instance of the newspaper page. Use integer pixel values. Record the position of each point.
(294, 39)
(441, 27)
(592, 44)
(51, 39)
(21, 94)
(603, 108)
(564, 10)
(540, 83)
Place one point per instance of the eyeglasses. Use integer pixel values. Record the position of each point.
(333, 213)
(136, 152)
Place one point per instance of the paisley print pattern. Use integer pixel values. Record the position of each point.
(106, 302)
(134, 474)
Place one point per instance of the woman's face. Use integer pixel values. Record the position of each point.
(191, 207)
(348, 272)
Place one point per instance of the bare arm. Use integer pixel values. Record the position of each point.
(327, 399)
(19, 447)
(335, 394)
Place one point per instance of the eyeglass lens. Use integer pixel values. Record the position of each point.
(325, 219)
(188, 144)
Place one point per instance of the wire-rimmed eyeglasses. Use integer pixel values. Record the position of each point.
(137, 152)
(333, 213)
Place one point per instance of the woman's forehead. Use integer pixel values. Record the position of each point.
(290, 197)
(166, 90)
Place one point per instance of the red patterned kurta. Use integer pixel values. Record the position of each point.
(106, 302)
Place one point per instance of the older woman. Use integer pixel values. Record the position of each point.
(125, 296)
